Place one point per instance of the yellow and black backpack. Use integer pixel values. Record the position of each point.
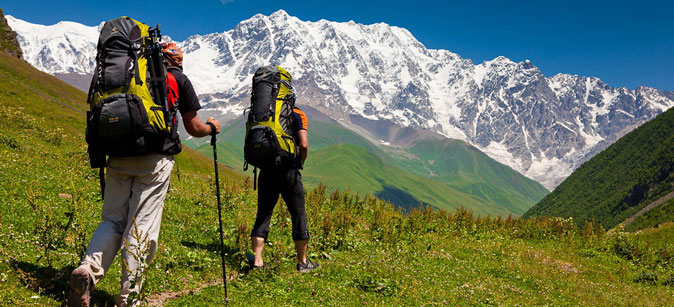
(269, 142)
(129, 113)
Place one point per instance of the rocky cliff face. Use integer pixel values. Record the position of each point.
(8, 41)
(543, 127)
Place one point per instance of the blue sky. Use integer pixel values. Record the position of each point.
(625, 43)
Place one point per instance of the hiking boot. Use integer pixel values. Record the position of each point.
(303, 268)
(80, 285)
(263, 267)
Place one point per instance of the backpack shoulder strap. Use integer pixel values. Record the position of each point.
(101, 181)
(172, 93)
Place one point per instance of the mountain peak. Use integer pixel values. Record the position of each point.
(501, 59)
(280, 14)
(278, 17)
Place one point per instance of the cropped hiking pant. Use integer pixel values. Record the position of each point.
(287, 183)
(135, 190)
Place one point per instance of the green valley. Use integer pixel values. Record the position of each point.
(469, 170)
(352, 166)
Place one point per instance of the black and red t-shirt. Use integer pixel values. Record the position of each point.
(187, 97)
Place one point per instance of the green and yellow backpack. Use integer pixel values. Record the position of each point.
(269, 142)
(130, 113)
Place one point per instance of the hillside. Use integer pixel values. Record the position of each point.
(446, 174)
(469, 170)
(654, 217)
(347, 165)
(614, 185)
(370, 253)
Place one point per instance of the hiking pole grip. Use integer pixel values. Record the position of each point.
(214, 131)
(217, 192)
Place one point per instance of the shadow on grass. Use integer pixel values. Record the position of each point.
(398, 197)
(211, 247)
(55, 283)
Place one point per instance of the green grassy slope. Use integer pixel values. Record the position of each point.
(615, 184)
(471, 171)
(449, 165)
(322, 135)
(370, 253)
(353, 166)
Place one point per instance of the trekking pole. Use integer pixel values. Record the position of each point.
(217, 191)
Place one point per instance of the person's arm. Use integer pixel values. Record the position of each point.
(196, 127)
(303, 139)
(189, 104)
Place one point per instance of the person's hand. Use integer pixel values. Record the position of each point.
(214, 122)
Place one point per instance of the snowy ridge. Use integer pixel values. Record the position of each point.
(543, 127)
(66, 47)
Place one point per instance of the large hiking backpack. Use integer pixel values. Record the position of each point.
(269, 142)
(131, 113)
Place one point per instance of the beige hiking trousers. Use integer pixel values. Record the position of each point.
(135, 188)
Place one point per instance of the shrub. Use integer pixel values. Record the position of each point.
(624, 247)
(668, 280)
(593, 230)
(9, 142)
(646, 277)
(53, 136)
(51, 227)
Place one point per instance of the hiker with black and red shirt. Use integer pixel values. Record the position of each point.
(135, 191)
(286, 181)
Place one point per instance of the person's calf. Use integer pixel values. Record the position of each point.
(301, 249)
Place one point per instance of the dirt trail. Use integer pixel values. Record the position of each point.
(650, 206)
(159, 299)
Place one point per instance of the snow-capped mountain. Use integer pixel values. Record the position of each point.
(66, 47)
(544, 127)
